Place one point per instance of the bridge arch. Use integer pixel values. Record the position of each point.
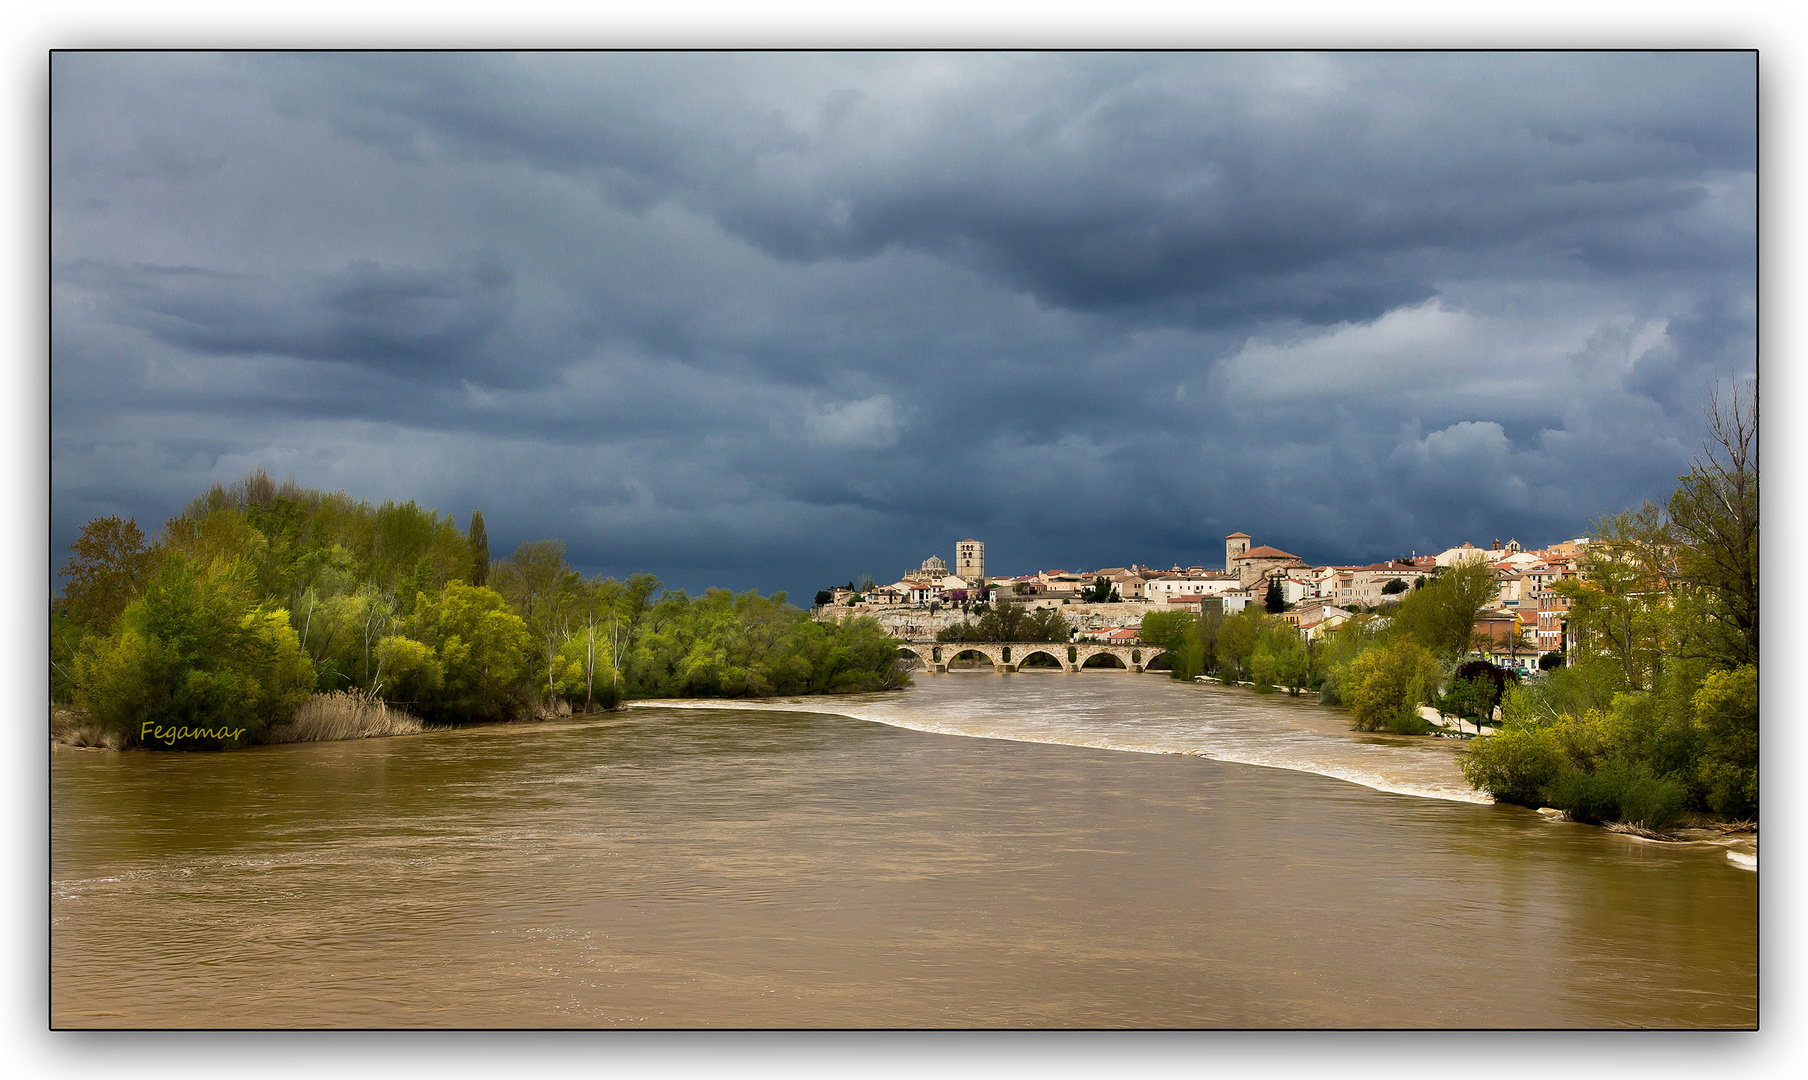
(1105, 658)
(1052, 652)
(968, 650)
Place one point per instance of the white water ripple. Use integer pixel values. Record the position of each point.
(1150, 714)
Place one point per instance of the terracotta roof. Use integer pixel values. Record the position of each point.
(1266, 552)
(1235, 536)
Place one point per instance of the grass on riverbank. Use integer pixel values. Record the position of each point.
(343, 715)
(322, 718)
(71, 727)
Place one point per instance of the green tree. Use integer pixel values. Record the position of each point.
(1166, 630)
(1101, 591)
(1010, 622)
(479, 543)
(1469, 697)
(409, 671)
(192, 653)
(542, 589)
(482, 649)
(1385, 686)
(108, 569)
(1622, 611)
(1714, 519)
(1274, 601)
(1441, 616)
(1237, 638)
(1726, 710)
(1292, 660)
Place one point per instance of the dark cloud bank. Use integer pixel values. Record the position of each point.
(776, 320)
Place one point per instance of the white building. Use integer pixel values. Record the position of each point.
(1205, 583)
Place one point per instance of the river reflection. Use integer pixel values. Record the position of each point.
(739, 867)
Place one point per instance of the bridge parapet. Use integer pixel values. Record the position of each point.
(1007, 656)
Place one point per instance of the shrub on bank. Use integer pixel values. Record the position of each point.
(1617, 792)
(1617, 764)
(1383, 685)
(194, 658)
(1726, 712)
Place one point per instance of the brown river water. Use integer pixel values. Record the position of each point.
(1030, 850)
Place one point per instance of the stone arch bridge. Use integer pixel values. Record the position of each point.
(1009, 655)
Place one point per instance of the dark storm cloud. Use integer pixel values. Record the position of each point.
(775, 319)
(419, 323)
(1110, 182)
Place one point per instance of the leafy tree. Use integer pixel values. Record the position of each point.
(1262, 669)
(1237, 638)
(482, 649)
(1629, 761)
(824, 596)
(1622, 611)
(1166, 630)
(479, 542)
(1394, 587)
(541, 587)
(409, 672)
(1519, 763)
(1101, 591)
(1441, 616)
(1274, 601)
(193, 653)
(1010, 622)
(1726, 710)
(108, 570)
(1468, 697)
(1291, 661)
(1495, 676)
(1714, 519)
(1385, 686)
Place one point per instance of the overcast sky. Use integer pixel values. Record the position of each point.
(777, 320)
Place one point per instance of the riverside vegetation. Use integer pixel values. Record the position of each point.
(1654, 716)
(1656, 713)
(271, 613)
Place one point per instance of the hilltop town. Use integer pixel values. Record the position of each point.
(1525, 621)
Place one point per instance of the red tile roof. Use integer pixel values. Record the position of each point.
(1266, 552)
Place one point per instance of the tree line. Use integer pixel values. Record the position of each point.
(258, 595)
(1655, 711)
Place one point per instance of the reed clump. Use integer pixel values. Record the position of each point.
(343, 715)
(72, 727)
